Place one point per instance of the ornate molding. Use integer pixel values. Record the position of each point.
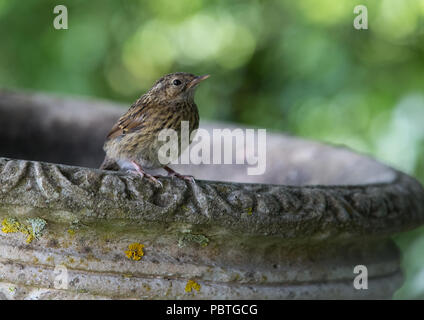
(295, 232)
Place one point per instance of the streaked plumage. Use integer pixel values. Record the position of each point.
(133, 141)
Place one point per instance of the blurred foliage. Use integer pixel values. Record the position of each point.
(296, 66)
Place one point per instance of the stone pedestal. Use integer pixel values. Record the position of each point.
(298, 231)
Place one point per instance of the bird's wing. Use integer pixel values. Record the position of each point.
(132, 120)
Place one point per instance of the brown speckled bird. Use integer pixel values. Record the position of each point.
(133, 143)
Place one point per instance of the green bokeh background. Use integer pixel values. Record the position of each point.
(294, 66)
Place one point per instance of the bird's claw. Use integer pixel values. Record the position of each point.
(152, 178)
(173, 173)
(182, 176)
(142, 174)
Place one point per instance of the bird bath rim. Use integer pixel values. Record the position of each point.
(238, 240)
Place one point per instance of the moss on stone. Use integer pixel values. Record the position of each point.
(187, 238)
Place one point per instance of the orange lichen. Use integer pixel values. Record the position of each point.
(192, 285)
(135, 251)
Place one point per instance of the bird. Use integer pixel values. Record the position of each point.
(133, 145)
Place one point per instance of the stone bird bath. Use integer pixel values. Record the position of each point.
(295, 232)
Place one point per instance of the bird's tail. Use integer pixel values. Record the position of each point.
(109, 164)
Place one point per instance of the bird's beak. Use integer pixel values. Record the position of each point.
(197, 80)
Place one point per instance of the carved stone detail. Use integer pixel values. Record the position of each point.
(296, 232)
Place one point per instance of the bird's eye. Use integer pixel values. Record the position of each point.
(176, 82)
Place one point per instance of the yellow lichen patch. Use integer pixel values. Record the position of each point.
(192, 285)
(29, 238)
(135, 251)
(32, 231)
(10, 225)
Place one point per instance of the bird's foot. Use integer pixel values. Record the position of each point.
(143, 174)
(172, 173)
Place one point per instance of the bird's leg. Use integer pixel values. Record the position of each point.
(142, 173)
(173, 173)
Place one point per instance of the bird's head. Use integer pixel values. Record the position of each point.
(179, 86)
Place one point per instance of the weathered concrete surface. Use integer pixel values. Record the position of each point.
(295, 232)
